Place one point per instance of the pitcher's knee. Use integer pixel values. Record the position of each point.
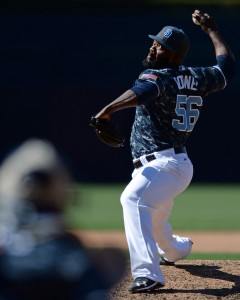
(127, 198)
(124, 198)
(180, 249)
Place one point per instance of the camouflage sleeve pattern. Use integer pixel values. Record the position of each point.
(211, 79)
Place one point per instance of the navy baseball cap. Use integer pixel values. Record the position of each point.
(174, 39)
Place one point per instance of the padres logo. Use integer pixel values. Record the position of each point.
(168, 33)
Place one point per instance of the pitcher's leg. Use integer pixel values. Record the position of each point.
(149, 191)
(139, 231)
(173, 247)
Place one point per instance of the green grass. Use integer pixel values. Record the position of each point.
(207, 207)
(200, 207)
(214, 256)
(193, 256)
(96, 207)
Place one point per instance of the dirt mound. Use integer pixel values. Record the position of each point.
(190, 279)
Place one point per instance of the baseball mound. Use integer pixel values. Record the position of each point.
(190, 279)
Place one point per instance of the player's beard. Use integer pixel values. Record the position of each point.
(153, 63)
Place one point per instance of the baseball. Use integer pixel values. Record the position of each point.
(195, 21)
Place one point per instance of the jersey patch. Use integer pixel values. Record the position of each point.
(151, 76)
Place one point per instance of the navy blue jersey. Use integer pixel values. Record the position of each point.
(168, 119)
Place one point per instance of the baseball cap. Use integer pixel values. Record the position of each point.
(174, 39)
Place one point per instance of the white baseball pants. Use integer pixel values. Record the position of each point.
(147, 202)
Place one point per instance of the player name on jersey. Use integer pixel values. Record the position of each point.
(186, 82)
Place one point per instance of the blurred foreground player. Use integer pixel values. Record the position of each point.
(39, 259)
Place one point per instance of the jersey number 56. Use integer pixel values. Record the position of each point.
(184, 109)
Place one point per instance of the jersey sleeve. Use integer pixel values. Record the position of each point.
(148, 87)
(216, 77)
(210, 79)
(227, 65)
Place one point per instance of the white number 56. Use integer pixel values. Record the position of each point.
(188, 114)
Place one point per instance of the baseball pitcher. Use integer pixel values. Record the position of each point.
(168, 97)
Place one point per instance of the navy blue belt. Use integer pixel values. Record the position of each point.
(137, 164)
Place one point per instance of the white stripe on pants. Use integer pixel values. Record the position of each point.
(147, 202)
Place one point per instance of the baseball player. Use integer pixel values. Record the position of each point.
(168, 97)
(39, 258)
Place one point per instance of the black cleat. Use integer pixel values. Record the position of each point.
(144, 284)
(164, 262)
